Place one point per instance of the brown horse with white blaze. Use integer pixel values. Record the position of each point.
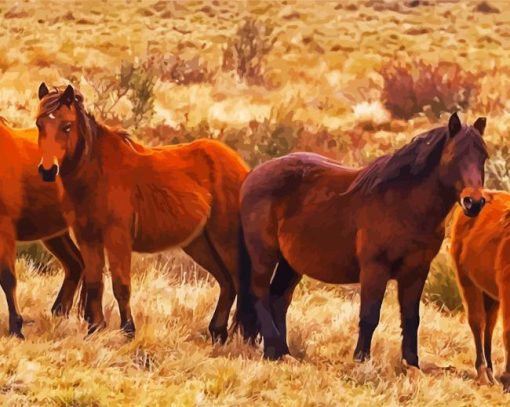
(305, 214)
(29, 210)
(121, 196)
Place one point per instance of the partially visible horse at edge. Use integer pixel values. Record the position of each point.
(480, 249)
(305, 214)
(30, 210)
(121, 196)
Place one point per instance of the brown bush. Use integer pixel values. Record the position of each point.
(246, 50)
(414, 88)
(182, 71)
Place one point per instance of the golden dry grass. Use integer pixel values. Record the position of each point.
(323, 71)
(171, 361)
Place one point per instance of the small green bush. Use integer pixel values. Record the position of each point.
(441, 286)
(36, 253)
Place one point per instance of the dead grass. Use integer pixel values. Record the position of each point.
(171, 361)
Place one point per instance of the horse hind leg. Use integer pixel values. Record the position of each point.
(474, 302)
(8, 279)
(64, 249)
(264, 255)
(491, 315)
(282, 287)
(203, 251)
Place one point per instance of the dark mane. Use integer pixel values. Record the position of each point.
(413, 160)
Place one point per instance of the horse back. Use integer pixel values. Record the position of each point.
(296, 203)
(475, 242)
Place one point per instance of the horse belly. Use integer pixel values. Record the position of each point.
(167, 219)
(331, 259)
(478, 263)
(40, 225)
(162, 234)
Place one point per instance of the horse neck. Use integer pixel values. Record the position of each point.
(438, 199)
(84, 170)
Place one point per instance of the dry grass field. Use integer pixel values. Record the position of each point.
(348, 79)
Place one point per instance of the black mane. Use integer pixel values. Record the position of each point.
(412, 161)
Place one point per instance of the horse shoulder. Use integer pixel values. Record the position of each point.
(11, 170)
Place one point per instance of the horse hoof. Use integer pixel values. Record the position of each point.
(484, 377)
(93, 328)
(128, 329)
(219, 336)
(505, 381)
(17, 335)
(490, 376)
(275, 350)
(361, 356)
(60, 309)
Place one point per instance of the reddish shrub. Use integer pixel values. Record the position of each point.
(411, 89)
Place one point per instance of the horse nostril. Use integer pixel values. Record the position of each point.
(467, 202)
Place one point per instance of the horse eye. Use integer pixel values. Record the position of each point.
(67, 128)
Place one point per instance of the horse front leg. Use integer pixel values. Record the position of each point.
(93, 257)
(410, 288)
(504, 289)
(64, 249)
(373, 278)
(8, 279)
(118, 247)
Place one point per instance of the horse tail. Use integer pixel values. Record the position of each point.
(245, 318)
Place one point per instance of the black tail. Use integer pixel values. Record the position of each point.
(245, 317)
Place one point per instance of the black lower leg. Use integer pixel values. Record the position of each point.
(8, 283)
(369, 319)
(410, 325)
(64, 301)
(282, 287)
(273, 344)
(93, 306)
(491, 311)
(279, 306)
(219, 321)
(122, 294)
(410, 288)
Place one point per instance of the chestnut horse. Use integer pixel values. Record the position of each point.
(121, 196)
(481, 252)
(308, 215)
(29, 210)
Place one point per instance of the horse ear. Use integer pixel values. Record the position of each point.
(67, 97)
(43, 90)
(454, 124)
(480, 124)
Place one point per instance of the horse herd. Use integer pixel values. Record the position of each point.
(256, 232)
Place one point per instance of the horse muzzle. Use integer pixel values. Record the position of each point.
(49, 175)
(471, 206)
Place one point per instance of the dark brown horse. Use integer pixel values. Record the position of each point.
(29, 210)
(304, 214)
(121, 196)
